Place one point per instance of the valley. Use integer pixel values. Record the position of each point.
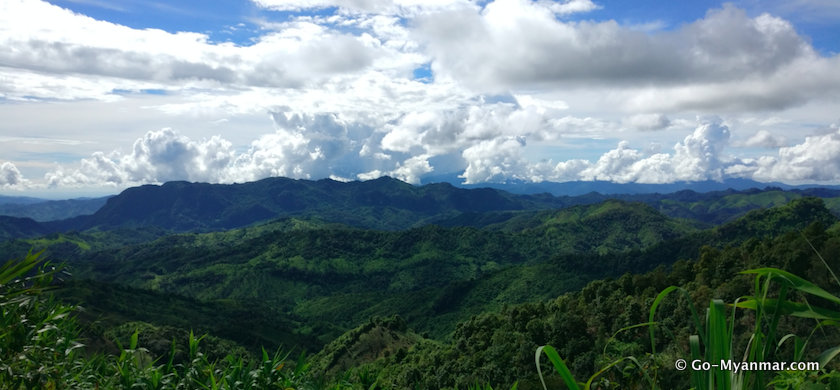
(431, 285)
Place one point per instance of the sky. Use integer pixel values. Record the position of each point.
(100, 95)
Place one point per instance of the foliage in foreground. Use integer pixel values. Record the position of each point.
(716, 341)
(39, 349)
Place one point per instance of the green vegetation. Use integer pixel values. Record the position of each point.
(40, 349)
(430, 306)
(716, 342)
(313, 280)
(51, 210)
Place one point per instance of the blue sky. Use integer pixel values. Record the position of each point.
(101, 95)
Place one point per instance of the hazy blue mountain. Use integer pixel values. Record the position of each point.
(19, 200)
(13, 227)
(50, 210)
(383, 204)
(574, 188)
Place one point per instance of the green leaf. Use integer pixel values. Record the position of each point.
(794, 281)
(559, 365)
(827, 355)
(795, 309)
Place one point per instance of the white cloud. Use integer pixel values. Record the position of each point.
(494, 160)
(157, 157)
(412, 7)
(412, 169)
(10, 176)
(563, 171)
(815, 159)
(698, 157)
(303, 146)
(764, 139)
(340, 90)
(53, 44)
(648, 122)
(726, 59)
(388, 7)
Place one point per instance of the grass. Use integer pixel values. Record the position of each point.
(777, 294)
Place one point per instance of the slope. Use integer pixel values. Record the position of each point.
(317, 272)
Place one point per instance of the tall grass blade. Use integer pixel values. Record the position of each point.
(789, 308)
(719, 347)
(825, 263)
(827, 355)
(699, 379)
(794, 281)
(655, 305)
(559, 365)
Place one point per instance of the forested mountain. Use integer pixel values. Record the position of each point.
(12, 227)
(476, 278)
(382, 204)
(590, 325)
(50, 210)
(315, 272)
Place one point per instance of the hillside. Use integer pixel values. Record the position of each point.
(382, 204)
(589, 326)
(13, 227)
(50, 210)
(457, 288)
(315, 271)
(311, 272)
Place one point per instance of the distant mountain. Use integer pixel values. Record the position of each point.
(19, 200)
(574, 188)
(13, 227)
(384, 203)
(43, 210)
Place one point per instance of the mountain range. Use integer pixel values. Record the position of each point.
(383, 203)
(324, 266)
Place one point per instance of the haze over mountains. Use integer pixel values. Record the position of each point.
(383, 203)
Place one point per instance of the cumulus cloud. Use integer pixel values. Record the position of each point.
(538, 47)
(563, 7)
(10, 176)
(157, 157)
(698, 157)
(648, 122)
(764, 139)
(412, 169)
(388, 7)
(722, 59)
(57, 43)
(313, 146)
(494, 160)
(815, 159)
(349, 93)
(303, 146)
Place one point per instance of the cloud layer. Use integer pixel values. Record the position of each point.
(165, 155)
(488, 91)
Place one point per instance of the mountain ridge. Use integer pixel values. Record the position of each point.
(384, 203)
